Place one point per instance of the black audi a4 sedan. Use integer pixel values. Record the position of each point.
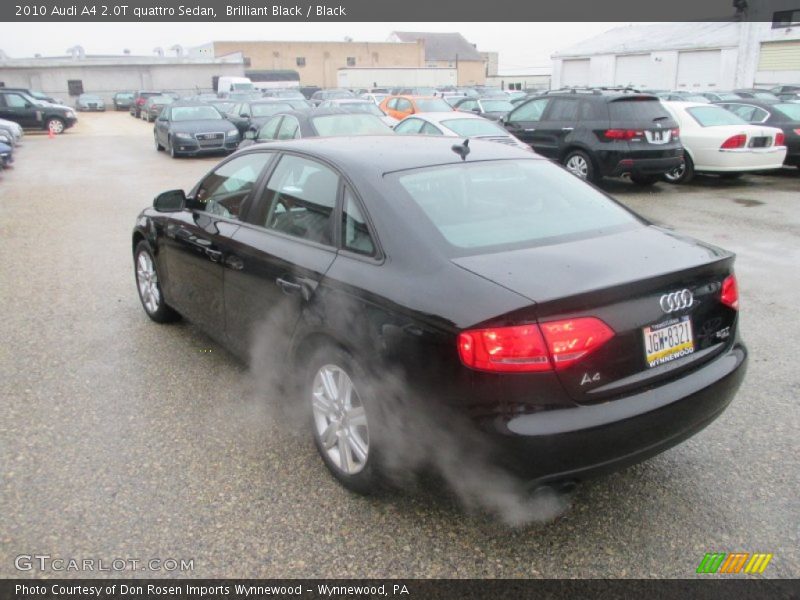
(571, 335)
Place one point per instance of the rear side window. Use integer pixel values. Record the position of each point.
(563, 109)
(709, 116)
(790, 110)
(300, 198)
(428, 129)
(270, 129)
(355, 233)
(637, 110)
(409, 126)
(289, 129)
(506, 204)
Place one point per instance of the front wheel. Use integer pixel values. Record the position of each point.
(341, 419)
(149, 286)
(55, 125)
(159, 147)
(172, 152)
(681, 174)
(579, 164)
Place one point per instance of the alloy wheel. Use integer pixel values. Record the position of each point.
(147, 279)
(578, 166)
(340, 420)
(675, 174)
(55, 126)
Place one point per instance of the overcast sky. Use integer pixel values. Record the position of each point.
(519, 44)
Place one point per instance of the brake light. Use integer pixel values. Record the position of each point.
(676, 133)
(623, 134)
(797, 131)
(571, 340)
(733, 142)
(780, 139)
(531, 348)
(730, 292)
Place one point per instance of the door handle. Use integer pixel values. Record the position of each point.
(214, 255)
(529, 130)
(567, 128)
(289, 287)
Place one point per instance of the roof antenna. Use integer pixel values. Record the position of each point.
(461, 149)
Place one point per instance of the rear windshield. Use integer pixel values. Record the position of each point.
(124, 95)
(501, 204)
(355, 124)
(709, 116)
(789, 109)
(470, 127)
(647, 111)
(729, 96)
(497, 105)
(433, 105)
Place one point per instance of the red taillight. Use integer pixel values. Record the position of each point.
(528, 348)
(730, 292)
(736, 141)
(504, 349)
(676, 133)
(797, 131)
(780, 139)
(571, 340)
(623, 134)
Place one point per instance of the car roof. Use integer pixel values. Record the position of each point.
(438, 117)
(374, 155)
(766, 105)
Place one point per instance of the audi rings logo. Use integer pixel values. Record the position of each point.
(676, 301)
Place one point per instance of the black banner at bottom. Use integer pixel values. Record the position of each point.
(398, 589)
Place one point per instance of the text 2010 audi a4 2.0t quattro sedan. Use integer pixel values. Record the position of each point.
(571, 335)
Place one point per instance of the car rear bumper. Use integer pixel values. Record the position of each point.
(583, 441)
(745, 159)
(646, 166)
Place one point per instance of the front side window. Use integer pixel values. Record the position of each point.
(355, 233)
(270, 129)
(223, 191)
(530, 111)
(403, 105)
(15, 101)
(409, 126)
(300, 198)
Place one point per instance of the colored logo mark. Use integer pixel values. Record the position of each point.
(736, 562)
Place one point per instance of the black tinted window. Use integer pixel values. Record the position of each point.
(637, 110)
(563, 109)
(223, 192)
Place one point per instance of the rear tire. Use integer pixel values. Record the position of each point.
(149, 286)
(580, 164)
(682, 174)
(335, 390)
(55, 125)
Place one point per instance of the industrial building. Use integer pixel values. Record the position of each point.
(316, 62)
(684, 56)
(450, 51)
(67, 76)
(532, 78)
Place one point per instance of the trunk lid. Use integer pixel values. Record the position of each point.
(621, 278)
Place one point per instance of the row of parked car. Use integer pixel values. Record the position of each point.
(594, 133)
(10, 136)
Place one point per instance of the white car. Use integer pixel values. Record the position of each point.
(457, 124)
(718, 141)
(10, 132)
(376, 97)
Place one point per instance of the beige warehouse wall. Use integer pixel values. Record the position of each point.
(323, 59)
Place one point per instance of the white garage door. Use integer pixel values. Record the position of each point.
(575, 73)
(699, 70)
(779, 56)
(633, 70)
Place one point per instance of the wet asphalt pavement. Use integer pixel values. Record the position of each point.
(121, 438)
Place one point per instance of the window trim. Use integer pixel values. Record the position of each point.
(377, 255)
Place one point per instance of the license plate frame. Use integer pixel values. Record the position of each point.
(668, 341)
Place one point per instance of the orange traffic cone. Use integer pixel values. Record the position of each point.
(50, 133)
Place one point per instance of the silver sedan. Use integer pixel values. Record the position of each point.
(457, 124)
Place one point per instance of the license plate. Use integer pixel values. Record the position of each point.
(668, 341)
(659, 136)
(759, 142)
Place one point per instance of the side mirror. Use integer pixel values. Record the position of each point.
(244, 115)
(476, 110)
(171, 201)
